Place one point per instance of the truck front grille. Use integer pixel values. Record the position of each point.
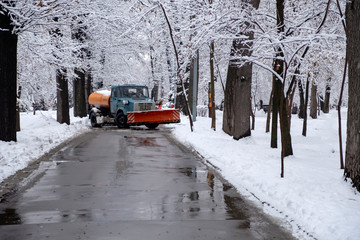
(144, 106)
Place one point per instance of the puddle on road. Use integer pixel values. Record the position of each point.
(136, 141)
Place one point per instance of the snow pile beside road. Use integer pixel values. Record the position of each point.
(313, 199)
(39, 134)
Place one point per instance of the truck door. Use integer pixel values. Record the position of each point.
(114, 100)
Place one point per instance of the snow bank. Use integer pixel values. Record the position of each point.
(313, 200)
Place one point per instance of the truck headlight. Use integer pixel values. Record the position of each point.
(125, 102)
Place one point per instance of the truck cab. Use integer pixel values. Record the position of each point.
(129, 98)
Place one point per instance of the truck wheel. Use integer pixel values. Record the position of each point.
(93, 120)
(152, 125)
(121, 120)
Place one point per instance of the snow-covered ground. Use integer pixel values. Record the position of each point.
(312, 200)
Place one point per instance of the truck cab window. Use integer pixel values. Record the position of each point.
(115, 92)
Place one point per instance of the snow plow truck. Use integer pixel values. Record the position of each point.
(128, 105)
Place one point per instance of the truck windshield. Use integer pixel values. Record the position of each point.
(135, 92)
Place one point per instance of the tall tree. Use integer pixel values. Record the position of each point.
(352, 156)
(306, 99)
(212, 112)
(79, 33)
(279, 99)
(327, 96)
(88, 87)
(237, 100)
(313, 100)
(8, 77)
(194, 84)
(79, 94)
(62, 89)
(302, 99)
(236, 118)
(62, 104)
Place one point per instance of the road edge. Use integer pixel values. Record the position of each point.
(12, 184)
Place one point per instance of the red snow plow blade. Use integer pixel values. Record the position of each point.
(155, 116)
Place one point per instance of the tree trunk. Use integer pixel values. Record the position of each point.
(269, 112)
(279, 102)
(352, 156)
(313, 101)
(79, 95)
(290, 106)
(180, 98)
(285, 128)
(88, 87)
(305, 108)
(252, 114)
(237, 102)
(8, 79)
(237, 99)
(152, 63)
(327, 97)
(62, 97)
(277, 86)
(302, 100)
(279, 99)
(18, 128)
(278, 66)
(212, 111)
(342, 165)
(228, 114)
(243, 102)
(193, 85)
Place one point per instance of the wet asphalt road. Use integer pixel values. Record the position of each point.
(129, 184)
